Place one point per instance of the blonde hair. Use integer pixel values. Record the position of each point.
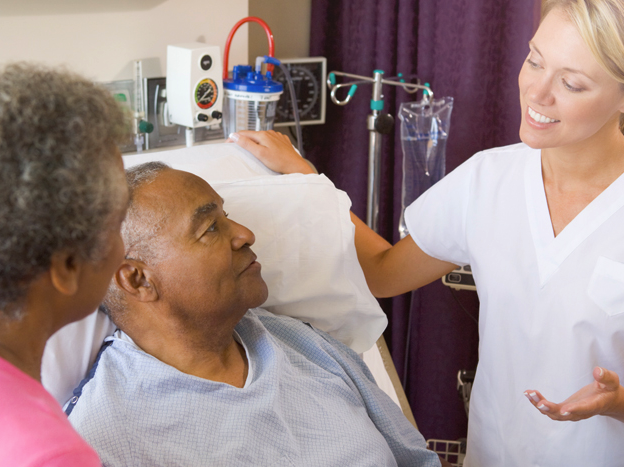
(601, 25)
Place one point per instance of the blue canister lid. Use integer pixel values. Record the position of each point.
(245, 79)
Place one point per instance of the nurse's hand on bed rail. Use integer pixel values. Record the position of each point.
(604, 396)
(273, 149)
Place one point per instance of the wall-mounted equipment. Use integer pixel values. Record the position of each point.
(195, 86)
(166, 133)
(308, 76)
(123, 92)
(129, 94)
(250, 100)
(250, 95)
(141, 127)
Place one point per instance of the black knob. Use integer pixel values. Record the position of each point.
(206, 62)
(202, 117)
(384, 124)
(216, 114)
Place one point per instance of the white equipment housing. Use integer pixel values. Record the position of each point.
(194, 85)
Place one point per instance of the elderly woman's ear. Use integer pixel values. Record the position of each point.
(136, 280)
(65, 270)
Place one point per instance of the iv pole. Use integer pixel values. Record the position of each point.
(377, 123)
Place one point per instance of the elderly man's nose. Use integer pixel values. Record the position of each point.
(241, 236)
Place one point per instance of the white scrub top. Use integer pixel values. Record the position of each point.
(552, 308)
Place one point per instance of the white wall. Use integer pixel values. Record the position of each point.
(289, 21)
(102, 38)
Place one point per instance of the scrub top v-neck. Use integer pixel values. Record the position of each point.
(551, 308)
(552, 251)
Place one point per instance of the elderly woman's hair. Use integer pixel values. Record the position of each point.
(139, 230)
(60, 175)
(601, 25)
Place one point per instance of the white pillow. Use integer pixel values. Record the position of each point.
(304, 241)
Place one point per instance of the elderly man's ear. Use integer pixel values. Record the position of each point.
(136, 279)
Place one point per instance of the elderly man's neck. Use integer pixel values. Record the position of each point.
(206, 350)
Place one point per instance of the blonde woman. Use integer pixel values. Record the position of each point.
(542, 225)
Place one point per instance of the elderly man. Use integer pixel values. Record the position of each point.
(196, 376)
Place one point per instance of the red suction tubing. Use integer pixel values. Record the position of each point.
(226, 52)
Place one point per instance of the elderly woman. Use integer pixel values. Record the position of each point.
(542, 225)
(63, 197)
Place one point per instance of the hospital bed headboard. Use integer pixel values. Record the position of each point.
(304, 241)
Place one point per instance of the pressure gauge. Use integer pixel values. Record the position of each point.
(306, 89)
(206, 93)
(194, 85)
(308, 75)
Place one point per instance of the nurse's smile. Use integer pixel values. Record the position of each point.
(537, 120)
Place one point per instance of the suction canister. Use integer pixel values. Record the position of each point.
(249, 100)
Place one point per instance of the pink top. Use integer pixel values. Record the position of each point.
(34, 431)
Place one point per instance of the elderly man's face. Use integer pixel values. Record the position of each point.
(205, 260)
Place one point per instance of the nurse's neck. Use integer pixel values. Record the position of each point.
(577, 174)
(591, 164)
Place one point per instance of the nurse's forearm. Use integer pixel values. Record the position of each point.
(371, 249)
(393, 270)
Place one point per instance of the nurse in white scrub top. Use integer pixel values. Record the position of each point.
(542, 225)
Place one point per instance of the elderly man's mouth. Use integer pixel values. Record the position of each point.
(252, 266)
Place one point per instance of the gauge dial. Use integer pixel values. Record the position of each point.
(306, 89)
(206, 93)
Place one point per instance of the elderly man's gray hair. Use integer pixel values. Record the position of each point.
(139, 231)
(60, 178)
(141, 227)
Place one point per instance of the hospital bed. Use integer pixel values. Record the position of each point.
(304, 241)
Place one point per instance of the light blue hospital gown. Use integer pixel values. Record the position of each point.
(311, 401)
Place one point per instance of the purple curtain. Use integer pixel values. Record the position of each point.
(471, 50)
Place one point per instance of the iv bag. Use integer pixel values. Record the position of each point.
(424, 132)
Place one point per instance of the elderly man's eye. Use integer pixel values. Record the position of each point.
(213, 227)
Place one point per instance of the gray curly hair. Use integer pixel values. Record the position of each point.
(60, 174)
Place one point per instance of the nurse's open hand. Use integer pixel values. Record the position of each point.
(273, 149)
(604, 396)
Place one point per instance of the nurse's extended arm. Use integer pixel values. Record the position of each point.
(389, 270)
(393, 270)
(605, 396)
